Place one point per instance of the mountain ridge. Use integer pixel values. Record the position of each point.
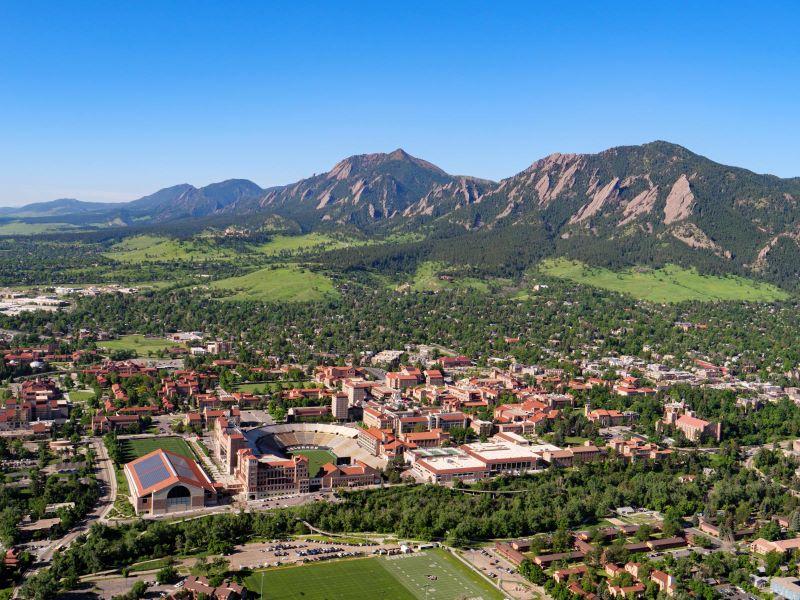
(653, 198)
(243, 194)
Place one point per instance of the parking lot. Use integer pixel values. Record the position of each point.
(288, 500)
(497, 568)
(278, 553)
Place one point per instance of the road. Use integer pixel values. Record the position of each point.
(108, 489)
(108, 477)
(108, 493)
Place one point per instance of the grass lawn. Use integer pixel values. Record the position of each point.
(381, 578)
(251, 388)
(150, 565)
(134, 448)
(283, 284)
(669, 284)
(642, 518)
(316, 458)
(272, 386)
(123, 509)
(143, 346)
(80, 395)
(203, 447)
(575, 440)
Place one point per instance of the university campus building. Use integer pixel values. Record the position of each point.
(162, 482)
(265, 461)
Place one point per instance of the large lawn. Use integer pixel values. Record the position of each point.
(669, 284)
(270, 387)
(136, 447)
(143, 346)
(282, 284)
(81, 395)
(381, 578)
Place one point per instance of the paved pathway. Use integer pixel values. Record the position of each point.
(210, 465)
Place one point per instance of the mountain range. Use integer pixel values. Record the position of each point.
(648, 199)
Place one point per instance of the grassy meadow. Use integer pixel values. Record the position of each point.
(428, 278)
(288, 283)
(290, 244)
(666, 285)
(150, 248)
(22, 228)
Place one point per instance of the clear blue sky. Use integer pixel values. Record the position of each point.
(113, 100)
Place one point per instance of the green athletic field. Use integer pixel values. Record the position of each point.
(142, 345)
(134, 448)
(316, 458)
(379, 578)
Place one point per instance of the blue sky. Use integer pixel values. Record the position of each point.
(111, 101)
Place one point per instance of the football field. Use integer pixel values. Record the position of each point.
(136, 447)
(316, 458)
(432, 575)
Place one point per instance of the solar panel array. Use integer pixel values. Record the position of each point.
(182, 468)
(151, 471)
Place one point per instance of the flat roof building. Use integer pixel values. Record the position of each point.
(501, 456)
(786, 587)
(446, 466)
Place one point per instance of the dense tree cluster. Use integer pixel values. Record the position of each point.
(555, 325)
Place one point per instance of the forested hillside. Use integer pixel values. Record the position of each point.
(651, 205)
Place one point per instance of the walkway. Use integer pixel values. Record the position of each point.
(210, 466)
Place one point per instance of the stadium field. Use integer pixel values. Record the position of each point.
(316, 458)
(434, 574)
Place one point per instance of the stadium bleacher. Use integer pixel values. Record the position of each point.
(341, 440)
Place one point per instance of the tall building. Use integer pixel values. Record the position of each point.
(339, 405)
(227, 441)
(356, 390)
(264, 476)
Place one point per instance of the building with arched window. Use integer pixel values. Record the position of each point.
(163, 482)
